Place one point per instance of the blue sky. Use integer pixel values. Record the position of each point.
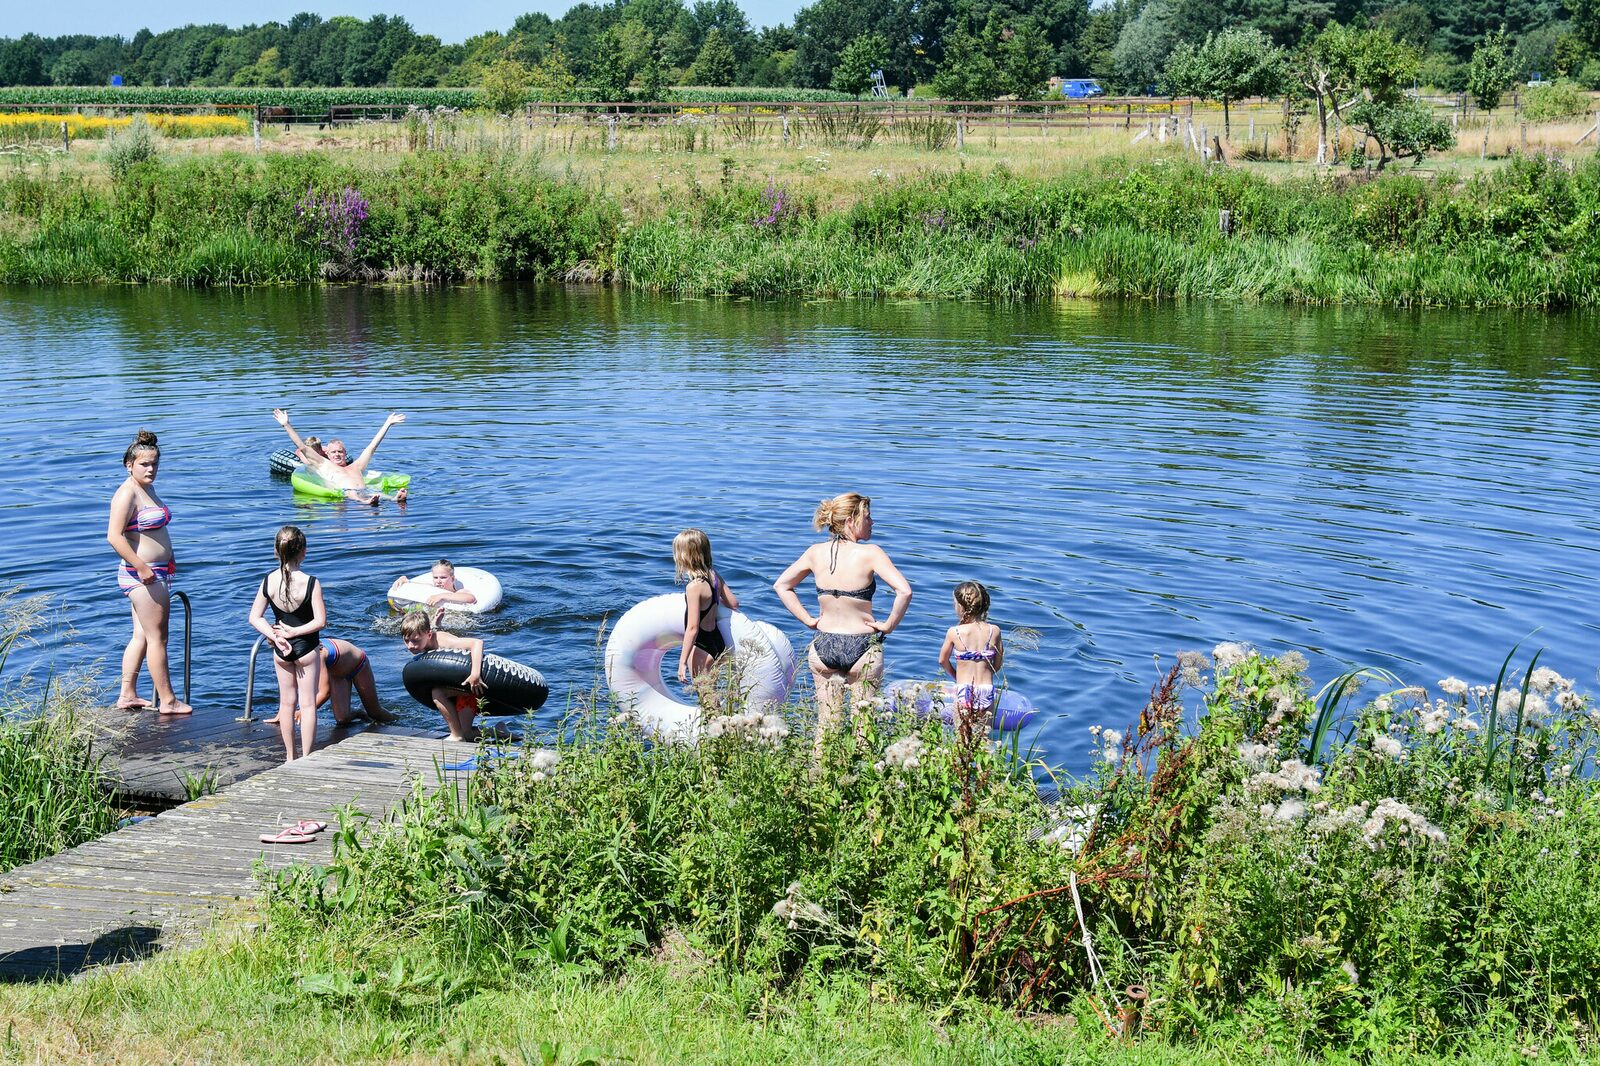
(450, 22)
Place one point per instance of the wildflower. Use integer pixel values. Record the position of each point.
(1510, 699)
(1388, 747)
(904, 754)
(1255, 756)
(544, 759)
(1481, 691)
(1291, 776)
(1111, 737)
(1191, 666)
(1465, 723)
(1293, 662)
(1228, 655)
(1408, 823)
(1350, 971)
(1412, 692)
(1434, 720)
(1290, 810)
(1536, 706)
(1570, 702)
(1453, 686)
(1383, 704)
(1547, 680)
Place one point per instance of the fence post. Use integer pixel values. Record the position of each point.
(1524, 138)
(255, 127)
(1252, 127)
(785, 112)
(611, 132)
(430, 131)
(1127, 121)
(1225, 222)
(961, 131)
(66, 139)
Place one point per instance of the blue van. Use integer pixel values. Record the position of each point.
(1081, 88)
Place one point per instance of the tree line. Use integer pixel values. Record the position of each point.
(972, 49)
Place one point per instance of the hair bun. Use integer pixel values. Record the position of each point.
(144, 439)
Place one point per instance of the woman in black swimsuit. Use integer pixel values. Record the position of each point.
(296, 602)
(848, 649)
(703, 590)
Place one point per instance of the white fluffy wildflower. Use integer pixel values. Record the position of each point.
(1388, 747)
(1510, 699)
(1383, 704)
(1192, 665)
(1481, 691)
(1435, 719)
(1570, 702)
(1547, 680)
(794, 910)
(1290, 777)
(904, 754)
(1536, 707)
(1350, 971)
(1290, 810)
(1112, 737)
(1228, 655)
(1255, 756)
(1294, 662)
(749, 726)
(1453, 686)
(1410, 826)
(1334, 820)
(1073, 832)
(1465, 723)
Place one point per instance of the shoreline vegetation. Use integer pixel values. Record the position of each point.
(1369, 873)
(1135, 225)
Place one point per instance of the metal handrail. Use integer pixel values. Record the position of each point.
(188, 629)
(250, 681)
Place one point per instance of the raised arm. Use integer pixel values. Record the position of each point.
(283, 420)
(892, 577)
(359, 465)
(786, 584)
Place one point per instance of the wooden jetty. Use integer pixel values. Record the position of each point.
(160, 880)
(153, 762)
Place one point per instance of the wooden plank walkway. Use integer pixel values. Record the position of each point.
(151, 761)
(159, 881)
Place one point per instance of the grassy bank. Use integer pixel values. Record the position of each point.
(1389, 876)
(50, 794)
(1523, 236)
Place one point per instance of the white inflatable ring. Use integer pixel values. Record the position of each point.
(641, 639)
(482, 584)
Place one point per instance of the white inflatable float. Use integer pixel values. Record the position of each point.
(764, 664)
(482, 584)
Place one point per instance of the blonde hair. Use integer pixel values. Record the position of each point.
(972, 602)
(835, 515)
(691, 555)
(416, 624)
(446, 563)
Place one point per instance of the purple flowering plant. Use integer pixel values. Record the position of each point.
(332, 221)
(776, 206)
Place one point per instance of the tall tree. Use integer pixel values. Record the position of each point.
(1229, 66)
(862, 56)
(1491, 73)
(716, 64)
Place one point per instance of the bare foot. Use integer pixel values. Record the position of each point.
(133, 703)
(400, 497)
(381, 716)
(270, 721)
(175, 709)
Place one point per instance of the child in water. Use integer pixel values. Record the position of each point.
(975, 646)
(296, 602)
(458, 706)
(443, 578)
(703, 590)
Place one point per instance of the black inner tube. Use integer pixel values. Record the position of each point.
(509, 687)
(283, 461)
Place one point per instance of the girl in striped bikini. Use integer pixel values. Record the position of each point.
(138, 532)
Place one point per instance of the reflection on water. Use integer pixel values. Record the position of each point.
(1406, 490)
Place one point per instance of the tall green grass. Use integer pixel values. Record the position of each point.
(51, 797)
(1522, 237)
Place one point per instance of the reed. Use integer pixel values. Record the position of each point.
(50, 793)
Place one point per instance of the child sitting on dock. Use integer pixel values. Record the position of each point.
(296, 602)
(443, 577)
(975, 646)
(457, 705)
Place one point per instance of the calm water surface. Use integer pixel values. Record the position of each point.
(1412, 491)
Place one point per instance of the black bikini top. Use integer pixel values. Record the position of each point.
(866, 592)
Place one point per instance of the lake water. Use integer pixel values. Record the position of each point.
(1415, 491)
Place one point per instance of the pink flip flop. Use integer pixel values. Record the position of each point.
(306, 826)
(286, 836)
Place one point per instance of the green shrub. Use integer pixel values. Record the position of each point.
(130, 146)
(1557, 99)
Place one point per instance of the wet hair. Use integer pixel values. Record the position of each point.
(972, 602)
(446, 563)
(290, 545)
(415, 624)
(835, 515)
(143, 441)
(691, 555)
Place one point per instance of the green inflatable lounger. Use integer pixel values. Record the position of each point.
(308, 482)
